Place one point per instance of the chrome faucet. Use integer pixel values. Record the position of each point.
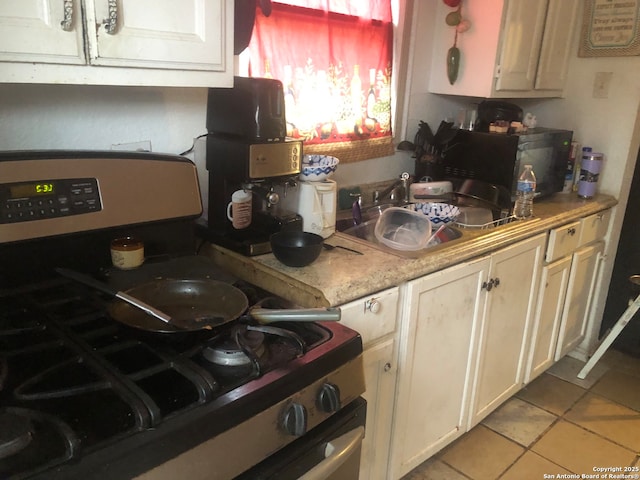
(392, 190)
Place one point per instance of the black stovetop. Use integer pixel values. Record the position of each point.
(79, 386)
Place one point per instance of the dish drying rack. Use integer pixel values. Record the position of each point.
(493, 224)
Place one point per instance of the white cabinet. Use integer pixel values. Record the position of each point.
(436, 361)
(117, 42)
(375, 318)
(462, 348)
(504, 333)
(41, 31)
(551, 299)
(573, 256)
(514, 48)
(584, 267)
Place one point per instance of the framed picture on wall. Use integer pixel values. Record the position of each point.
(610, 28)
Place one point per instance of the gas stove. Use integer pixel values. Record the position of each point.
(84, 396)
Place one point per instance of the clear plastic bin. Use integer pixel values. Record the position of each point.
(403, 229)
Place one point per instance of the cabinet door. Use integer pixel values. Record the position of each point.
(579, 294)
(594, 227)
(437, 351)
(521, 38)
(544, 338)
(157, 33)
(380, 381)
(32, 31)
(557, 44)
(515, 272)
(375, 318)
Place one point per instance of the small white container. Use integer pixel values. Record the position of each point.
(430, 191)
(127, 252)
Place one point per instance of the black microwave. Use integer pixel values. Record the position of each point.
(499, 158)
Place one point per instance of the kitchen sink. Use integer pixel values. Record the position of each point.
(365, 232)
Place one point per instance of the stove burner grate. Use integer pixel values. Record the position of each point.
(251, 350)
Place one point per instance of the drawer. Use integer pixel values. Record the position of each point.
(594, 227)
(373, 316)
(563, 241)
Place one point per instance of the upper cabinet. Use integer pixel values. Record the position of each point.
(117, 42)
(514, 48)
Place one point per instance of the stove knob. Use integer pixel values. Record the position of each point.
(329, 398)
(295, 419)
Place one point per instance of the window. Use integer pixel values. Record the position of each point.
(334, 58)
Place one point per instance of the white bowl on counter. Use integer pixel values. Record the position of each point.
(317, 168)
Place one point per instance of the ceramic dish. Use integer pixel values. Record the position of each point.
(317, 168)
(438, 213)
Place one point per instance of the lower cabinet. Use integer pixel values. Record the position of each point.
(504, 332)
(443, 351)
(437, 356)
(463, 346)
(375, 318)
(551, 300)
(569, 279)
(584, 269)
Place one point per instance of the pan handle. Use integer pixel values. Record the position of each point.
(87, 280)
(104, 288)
(271, 315)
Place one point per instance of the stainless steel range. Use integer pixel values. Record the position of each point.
(84, 396)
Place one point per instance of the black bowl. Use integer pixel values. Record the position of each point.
(295, 248)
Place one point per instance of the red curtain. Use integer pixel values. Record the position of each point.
(334, 60)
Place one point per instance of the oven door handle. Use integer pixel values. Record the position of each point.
(336, 452)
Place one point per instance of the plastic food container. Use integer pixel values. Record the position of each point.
(403, 229)
(430, 191)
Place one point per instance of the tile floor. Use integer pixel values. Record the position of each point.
(557, 425)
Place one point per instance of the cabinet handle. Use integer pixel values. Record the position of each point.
(571, 231)
(496, 282)
(373, 305)
(67, 21)
(387, 367)
(488, 285)
(111, 23)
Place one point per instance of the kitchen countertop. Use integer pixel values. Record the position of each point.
(339, 276)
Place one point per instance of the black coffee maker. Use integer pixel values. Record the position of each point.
(247, 150)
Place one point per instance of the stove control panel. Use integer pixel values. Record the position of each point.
(25, 201)
(49, 193)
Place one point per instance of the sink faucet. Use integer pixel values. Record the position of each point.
(392, 190)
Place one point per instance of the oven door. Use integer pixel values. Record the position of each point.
(331, 451)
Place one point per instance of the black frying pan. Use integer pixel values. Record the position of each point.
(191, 305)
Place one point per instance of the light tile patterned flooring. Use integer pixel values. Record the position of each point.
(556, 425)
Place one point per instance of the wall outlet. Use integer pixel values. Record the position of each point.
(601, 84)
(141, 146)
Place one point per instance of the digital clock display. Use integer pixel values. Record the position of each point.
(25, 190)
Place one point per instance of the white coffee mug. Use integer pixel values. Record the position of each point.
(239, 209)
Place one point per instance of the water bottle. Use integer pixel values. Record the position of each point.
(525, 192)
